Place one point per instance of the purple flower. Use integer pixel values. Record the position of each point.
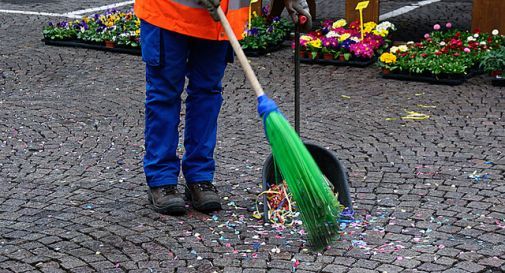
(347, 44)
(51, 24)
(253, 31)
(276, 19)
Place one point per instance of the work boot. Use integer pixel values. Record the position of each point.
(203, 196)
(166, 200)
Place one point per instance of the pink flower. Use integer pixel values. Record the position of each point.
(448, 25)
(466, 50)
(426, 36)
(436, 27)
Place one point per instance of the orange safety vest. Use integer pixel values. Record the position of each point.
(189, 18)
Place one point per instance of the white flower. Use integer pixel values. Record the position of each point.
(495, 32)
(403, 48)
(332, 34)
(410, 42)
(483, 43)
(442, 43)
(394, 49)
(356, 39)
(385, 26)
(470, 39)
(476, 35)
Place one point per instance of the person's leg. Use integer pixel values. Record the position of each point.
(165, 54)
(207, 63)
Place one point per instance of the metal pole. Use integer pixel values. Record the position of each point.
(297, 78)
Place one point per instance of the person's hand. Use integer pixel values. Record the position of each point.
(211, 6)
(295, 9)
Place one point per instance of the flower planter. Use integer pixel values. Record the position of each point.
(496, 73)
(249, 52)
(109, 44)
(442, 79)
(386, 71)
(341, 57)
(327, 56)
(92, 45)
(498, 82)
(302, 54)
(353, 62)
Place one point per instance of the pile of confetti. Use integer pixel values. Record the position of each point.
(281, 207)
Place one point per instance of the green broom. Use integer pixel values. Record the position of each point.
(318, 206)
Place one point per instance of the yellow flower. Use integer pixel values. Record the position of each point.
(382, 32)
(388, 58)
(137, 32)
(339, 23)
(344, 37)
(368, 27)
(315, 43)
(306, 38)
(85, 19)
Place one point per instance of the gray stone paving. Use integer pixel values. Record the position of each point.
(73, 192)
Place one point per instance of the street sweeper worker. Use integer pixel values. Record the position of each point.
(183, 39)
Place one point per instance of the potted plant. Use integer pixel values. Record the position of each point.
(387, 62)
(493, 62)
(314, 47)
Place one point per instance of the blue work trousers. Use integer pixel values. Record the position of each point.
(171, 58)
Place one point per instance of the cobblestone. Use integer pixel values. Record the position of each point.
(73, 190)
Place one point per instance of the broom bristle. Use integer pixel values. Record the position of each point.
(319, 208)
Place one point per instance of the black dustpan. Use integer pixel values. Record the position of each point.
(329, 164)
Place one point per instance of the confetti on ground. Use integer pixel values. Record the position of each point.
(478, 177)
(411, 115)
(426, 106)
(345, 97)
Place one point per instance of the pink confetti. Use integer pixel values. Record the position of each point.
(399, 258)
(441, 247)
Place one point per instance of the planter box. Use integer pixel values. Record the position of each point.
(260, 52)
(446, 79)
(96, 46)
(351, 62)
(498, 82)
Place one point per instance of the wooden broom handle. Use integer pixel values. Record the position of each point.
(249, 73)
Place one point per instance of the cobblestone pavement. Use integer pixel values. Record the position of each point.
(73, 192)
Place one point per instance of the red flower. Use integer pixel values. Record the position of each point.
(438, 53)
(456, 54)
(424, 55)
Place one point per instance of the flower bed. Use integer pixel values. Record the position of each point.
(447, 56)
(114, 30)
(340, 43)
(263, 36)
(120, 32)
